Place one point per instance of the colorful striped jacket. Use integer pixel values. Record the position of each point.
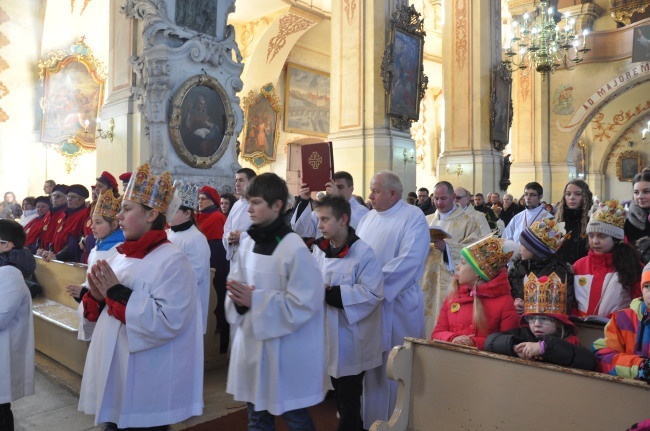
(626, 342)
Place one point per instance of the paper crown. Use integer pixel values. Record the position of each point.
(546, 295)
(488, 256)
(150, 190)
(544, 237)
(609, 219)
(188, 195)
(107, 205)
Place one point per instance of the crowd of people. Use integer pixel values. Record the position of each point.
(314, 291)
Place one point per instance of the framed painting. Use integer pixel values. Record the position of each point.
(73, 92)
(201, 121)
(501, 107)
(628, 165)
(261, 126)
(402, 69)
(307, 101)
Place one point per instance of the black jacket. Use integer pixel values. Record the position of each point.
(575, 247)
(556, 350)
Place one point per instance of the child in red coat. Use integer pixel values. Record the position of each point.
(479, 302)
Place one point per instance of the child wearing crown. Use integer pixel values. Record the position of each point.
(479, 302)
(144, 366)
(107, 236)
(625, 349)
(546, 333)
(538, 244)
(607, 279)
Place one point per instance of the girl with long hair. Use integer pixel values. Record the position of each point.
(573, 210)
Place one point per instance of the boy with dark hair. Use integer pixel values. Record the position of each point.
(533, 193)
(353, 293)
(277, 354)
(16, 328)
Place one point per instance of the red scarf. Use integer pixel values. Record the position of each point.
(139, 248)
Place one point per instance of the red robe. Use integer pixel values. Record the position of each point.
(34, 232)
(52, 224)
(211, 223)
(72, 226)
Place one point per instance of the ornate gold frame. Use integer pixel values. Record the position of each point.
(627, 156)
(406, 25)
(253, 103)
(176, 118)
(71, 146)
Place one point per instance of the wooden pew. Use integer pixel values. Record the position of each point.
(442, 386)
(56, 320)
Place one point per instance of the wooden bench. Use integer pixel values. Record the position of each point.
(56, 320)
(442, 386)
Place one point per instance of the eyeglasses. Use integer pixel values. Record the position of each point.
(3, 242)
(58, 195)
(530, 195)
(201, 198)
(459, 197)
(544, 320)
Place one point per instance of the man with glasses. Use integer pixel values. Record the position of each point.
(444, 254)
(54, 219)
(424, 201)
(533, 193)
(65, 241)
(463, 199)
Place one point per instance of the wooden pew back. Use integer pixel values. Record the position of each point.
(448, 387)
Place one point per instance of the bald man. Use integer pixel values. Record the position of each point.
(399, 235)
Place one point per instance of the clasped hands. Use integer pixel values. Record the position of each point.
(101, 278)
(240, 293)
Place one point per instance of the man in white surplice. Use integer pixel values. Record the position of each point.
(304, 221)
(444, 255)
(238, 220)
(533, 193)
(399, 236)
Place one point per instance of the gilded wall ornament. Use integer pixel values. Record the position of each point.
(289, 24)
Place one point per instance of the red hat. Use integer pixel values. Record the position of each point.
(126, 176)
(211, 193)
(109, 180)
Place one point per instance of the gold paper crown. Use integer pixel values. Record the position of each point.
(544, 294)
(147, 189)
(550, 232)
(488, 256)
(610, 212)
(107, 205)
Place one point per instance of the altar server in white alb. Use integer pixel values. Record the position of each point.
(304, 221)
(184, 234)
(399, 235)
(238, 220)
(353, 295)
(16, 328)
(277, 360)
(108, 235)
(144, 367)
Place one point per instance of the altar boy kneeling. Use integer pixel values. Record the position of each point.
(353, 294)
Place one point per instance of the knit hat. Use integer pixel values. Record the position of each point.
(546, 296)
(609, 219)
(211, 193)
(79, 189)
(109, 180)
(488, 256)
(188, 194)
(150, 190)
(108, 205)
(544, 237)
(645, 275)
(44, 199)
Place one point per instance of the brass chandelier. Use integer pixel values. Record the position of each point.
(538, 41)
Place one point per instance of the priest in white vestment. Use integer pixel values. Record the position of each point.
(399, 236)
(444, 255)
(238, 221)
(463, 197)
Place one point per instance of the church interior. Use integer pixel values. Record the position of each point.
(278, 74)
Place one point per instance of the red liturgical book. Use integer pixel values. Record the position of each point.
(317, 165)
